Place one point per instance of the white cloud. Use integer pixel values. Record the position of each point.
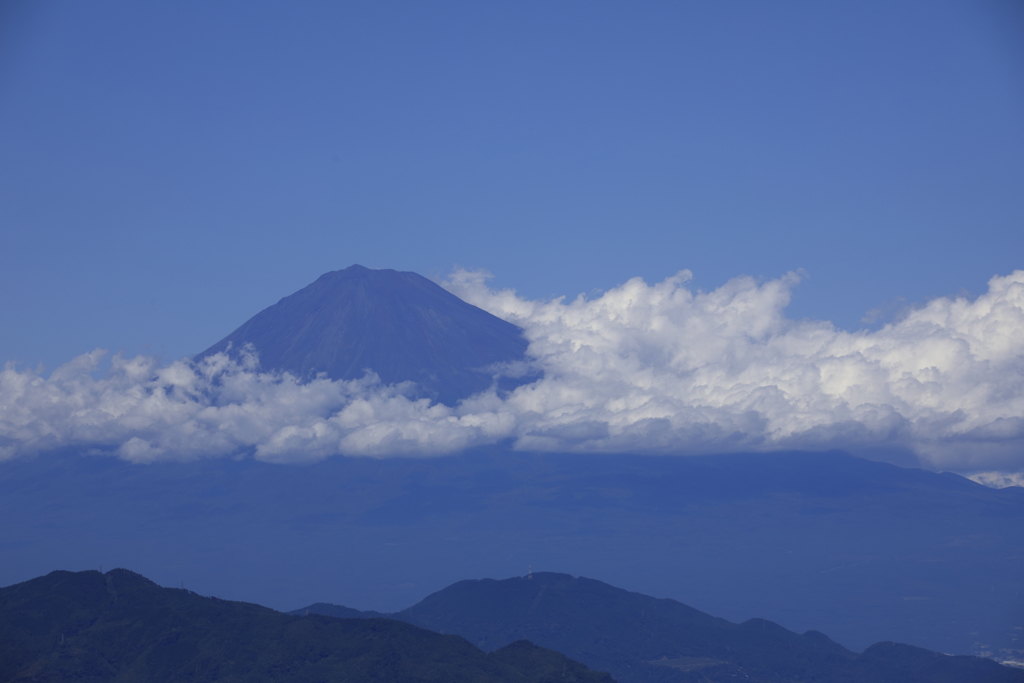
(665, 368)
(998, 480)
(650, 368)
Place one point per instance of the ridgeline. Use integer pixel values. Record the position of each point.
(398, 324)
(640, 639)
(119, 626)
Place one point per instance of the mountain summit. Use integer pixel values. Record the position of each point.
(398, 324)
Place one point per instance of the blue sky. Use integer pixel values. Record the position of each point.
(169, 169)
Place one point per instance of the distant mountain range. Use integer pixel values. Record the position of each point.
(640, 639)
(860, 550)
(400, 325)
(119, 626)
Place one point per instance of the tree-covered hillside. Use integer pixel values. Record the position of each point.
(119, 626)
(641, 639)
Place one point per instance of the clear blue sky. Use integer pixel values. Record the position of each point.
(169, 169)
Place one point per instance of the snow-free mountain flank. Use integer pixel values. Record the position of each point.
(398, 324)
(119, 626)
(641, 639)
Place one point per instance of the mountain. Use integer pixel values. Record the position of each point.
(863, 551)
(400, 325)
(119, 626)
(640, 639)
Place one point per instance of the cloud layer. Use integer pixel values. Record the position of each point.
(642, 368)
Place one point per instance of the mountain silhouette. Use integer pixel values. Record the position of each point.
(398, 324)
(641, 639)
(119, 626)
(863, 551)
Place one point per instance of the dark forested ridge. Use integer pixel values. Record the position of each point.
(119, 626)
(399, 324)
(640, 639)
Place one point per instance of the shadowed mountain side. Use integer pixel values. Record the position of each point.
(641, 639)
(339, 612)
(398, 324)
(120, 626)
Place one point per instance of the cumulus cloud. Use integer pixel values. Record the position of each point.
(144, 412)
(642, 368)
(666, 368)
(998, 480)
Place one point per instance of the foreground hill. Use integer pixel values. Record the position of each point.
(640, 639)
(398, 324)
(119, 626)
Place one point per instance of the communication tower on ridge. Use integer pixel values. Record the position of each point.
(529, 573)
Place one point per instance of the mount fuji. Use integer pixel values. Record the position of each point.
(399, 325)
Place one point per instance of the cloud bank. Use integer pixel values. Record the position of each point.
(642, 368)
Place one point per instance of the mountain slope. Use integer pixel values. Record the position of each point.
(122, 627)
(398, 324)
(862, 551)
(640, 639)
